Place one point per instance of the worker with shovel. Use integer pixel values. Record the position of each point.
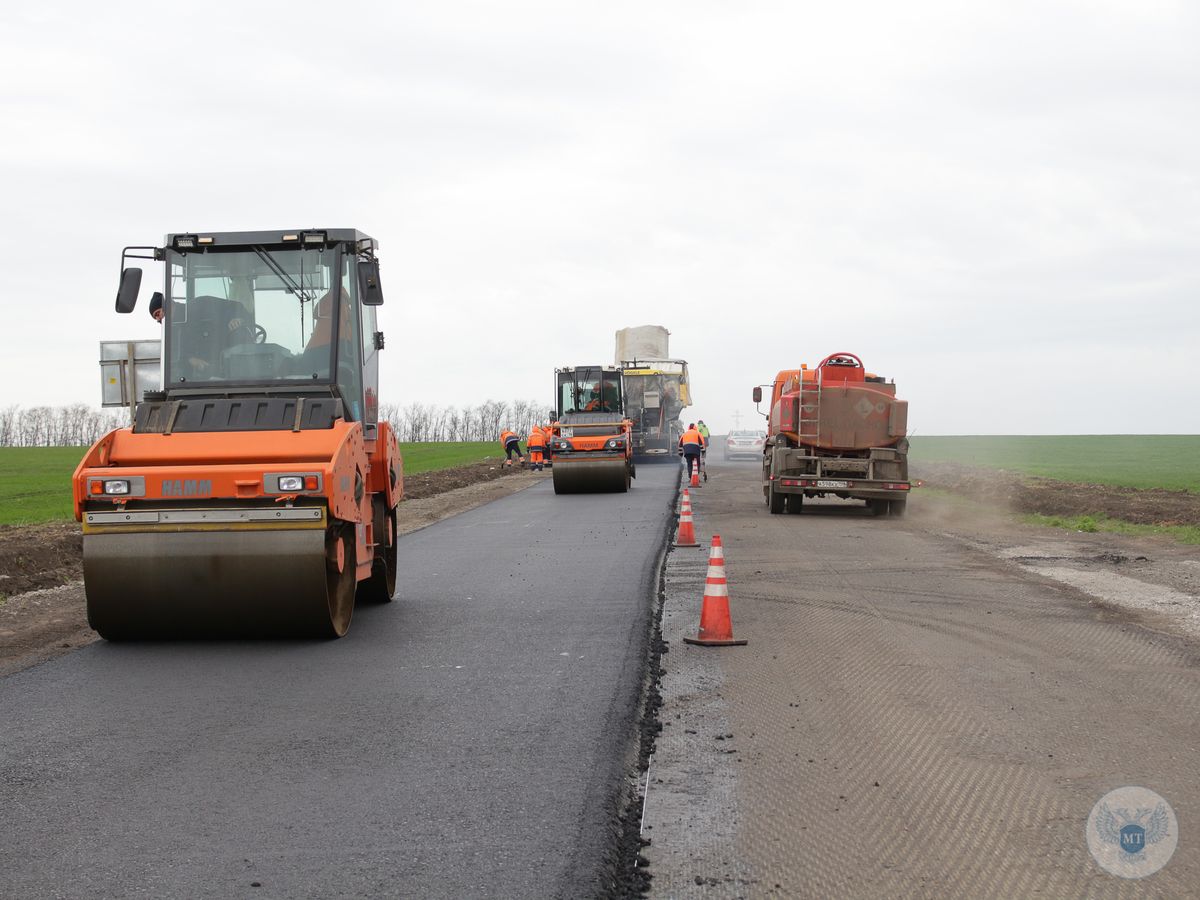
(512, 446)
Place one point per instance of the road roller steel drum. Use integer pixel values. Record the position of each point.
(578, 475)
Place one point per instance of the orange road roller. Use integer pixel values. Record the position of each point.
(255, 494)
(592, 443)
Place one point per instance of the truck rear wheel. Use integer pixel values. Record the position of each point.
(898, 508)
(795, 504)
(878, 507)
(775, 500)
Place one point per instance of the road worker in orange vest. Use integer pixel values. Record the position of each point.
(691, 443)
(512, 447)
(548, 451)
(536, 442)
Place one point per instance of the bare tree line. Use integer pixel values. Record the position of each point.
(78, 425)
(75, 425)
(419, 422)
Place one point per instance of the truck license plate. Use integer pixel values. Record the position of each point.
(832, 484)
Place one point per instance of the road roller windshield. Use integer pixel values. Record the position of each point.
(250, 314)
(589, 389)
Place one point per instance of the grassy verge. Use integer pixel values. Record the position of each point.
(432, 455)
(1170, 461)
(1185, 534)
(35, 482)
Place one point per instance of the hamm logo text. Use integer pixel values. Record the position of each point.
(189, 487)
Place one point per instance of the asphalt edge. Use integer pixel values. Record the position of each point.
(625, 873)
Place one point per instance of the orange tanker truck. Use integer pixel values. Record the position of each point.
(591, 442)
(836, 430)
(256, 494)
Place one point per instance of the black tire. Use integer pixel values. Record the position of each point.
(381, 586)
(878, 507)
(339, 584)
(795, 504)
(898, 508)
(775, 501)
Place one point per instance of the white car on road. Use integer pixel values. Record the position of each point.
(744, 444)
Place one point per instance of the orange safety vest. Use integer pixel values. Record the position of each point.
(691, 436)
(536, 439)
(506, 436)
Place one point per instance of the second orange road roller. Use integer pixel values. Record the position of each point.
(591, 443)
(255, 495)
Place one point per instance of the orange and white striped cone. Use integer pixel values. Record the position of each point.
(716, 627)
(686, 535)
(695, 475)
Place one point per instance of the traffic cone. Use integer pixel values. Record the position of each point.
(695, 475)
(716, 628)
(686, 536)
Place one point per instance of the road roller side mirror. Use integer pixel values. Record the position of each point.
(369, 289)
(127, 293)
(758, 394)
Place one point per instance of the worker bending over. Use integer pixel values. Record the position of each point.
(692, 444)
(512, 446)
(536, 444)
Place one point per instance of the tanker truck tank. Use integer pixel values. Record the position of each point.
(836, 430)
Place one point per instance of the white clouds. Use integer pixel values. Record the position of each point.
(933, 186)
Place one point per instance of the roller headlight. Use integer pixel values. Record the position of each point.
(116, 486)
(291, 483)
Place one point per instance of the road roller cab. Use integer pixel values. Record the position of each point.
(592, 447)
(255, 495)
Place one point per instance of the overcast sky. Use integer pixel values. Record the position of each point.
(997, 205)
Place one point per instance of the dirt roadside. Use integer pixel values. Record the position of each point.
(1027, 494)
(42, 612)
(926, 707)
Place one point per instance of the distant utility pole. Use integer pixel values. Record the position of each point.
(737, 419)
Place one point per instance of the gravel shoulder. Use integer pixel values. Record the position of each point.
(928, 706)
(42, 606)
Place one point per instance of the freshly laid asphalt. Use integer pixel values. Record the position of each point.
(469, 739)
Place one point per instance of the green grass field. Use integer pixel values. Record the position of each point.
(35, 482)
(445, 455)
(1169, 461)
